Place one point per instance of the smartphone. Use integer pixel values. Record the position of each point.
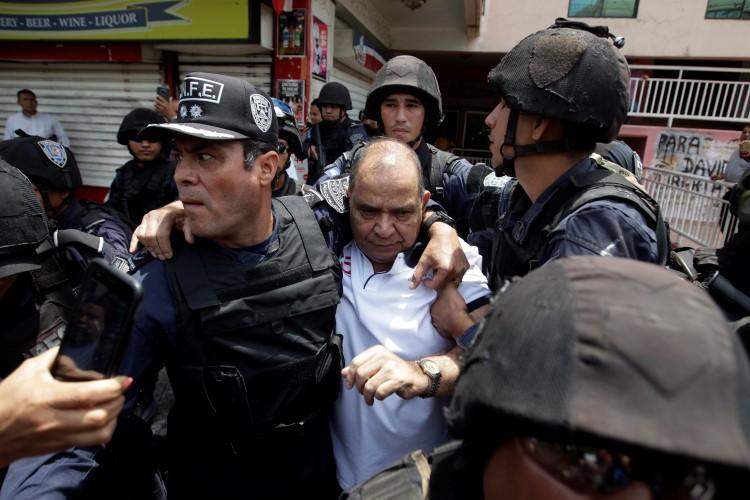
(163, 90)
(102, 318)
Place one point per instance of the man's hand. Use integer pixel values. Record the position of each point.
(39, 414)
(449, 314)
(443, 257)
(167, 108)
(312, 152)
(156, 227)
(377, 373)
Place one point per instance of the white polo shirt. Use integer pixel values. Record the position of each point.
(41, 124)
(380, 308)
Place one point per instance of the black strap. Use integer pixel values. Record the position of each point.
(316, 249)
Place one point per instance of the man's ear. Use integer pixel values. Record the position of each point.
(425, 199)
(546, 129)
(267, 163)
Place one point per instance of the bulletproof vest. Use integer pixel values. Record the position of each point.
(511, 258)
(257, 352)
(145, 188)
(92, 214)
(46, 307)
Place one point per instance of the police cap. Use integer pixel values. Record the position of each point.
(43, 161)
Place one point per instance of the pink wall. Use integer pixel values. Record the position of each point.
(696, 151)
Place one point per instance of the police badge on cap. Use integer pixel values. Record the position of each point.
(54, 151)
(219, 107)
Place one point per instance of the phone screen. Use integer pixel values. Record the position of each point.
(93, 341)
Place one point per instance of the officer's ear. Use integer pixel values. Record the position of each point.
(545, 128)
(267, 164)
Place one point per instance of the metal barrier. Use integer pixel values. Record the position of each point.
(694, 206)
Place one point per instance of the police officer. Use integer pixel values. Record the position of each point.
(335, 133)
(289, 144)
(145, 182)
(252, 381)
(562, 202)
(609, 403)
(405, 100)
(53, 170)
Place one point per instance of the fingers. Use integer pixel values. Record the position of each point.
(423, 271)
(133, 248)
(187, 232)
(348, 375)
(86, 394)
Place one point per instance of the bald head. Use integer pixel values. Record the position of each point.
(386, 201)
(384, 155)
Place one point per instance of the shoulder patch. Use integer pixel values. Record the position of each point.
(492, 180)
(334, 192)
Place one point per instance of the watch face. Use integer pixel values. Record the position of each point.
(430, 367)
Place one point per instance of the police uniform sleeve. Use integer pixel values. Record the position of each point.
(605, 228)
(462, 184)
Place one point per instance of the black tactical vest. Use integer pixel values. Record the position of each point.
(512, 258)
(256, 350)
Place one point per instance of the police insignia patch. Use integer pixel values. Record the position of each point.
(54, 151)
(261, 109)
(494, 181)
(334, 192)
(183, 111)
(196, 111)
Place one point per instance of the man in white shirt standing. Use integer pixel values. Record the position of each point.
(33, 122)
(397, 360)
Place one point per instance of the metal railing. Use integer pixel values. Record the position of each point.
(694, 206)
(693, 98)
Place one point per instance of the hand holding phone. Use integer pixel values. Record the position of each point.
(96, 334)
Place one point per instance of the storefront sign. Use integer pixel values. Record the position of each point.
(125, 20)
(292, 33)
(320, 50)
(292, 92)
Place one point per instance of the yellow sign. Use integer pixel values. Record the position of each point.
(125, 20)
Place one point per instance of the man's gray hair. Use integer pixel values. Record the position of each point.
(384, 148)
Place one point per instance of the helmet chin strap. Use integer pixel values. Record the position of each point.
(509, 143)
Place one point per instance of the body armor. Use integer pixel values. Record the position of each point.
(257, 352)
(516, 258)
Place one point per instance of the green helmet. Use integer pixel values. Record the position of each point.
(408, 75)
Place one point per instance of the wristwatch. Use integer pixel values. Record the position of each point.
(432, 370)
(438, 216)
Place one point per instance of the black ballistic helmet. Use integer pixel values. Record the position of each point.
(219, 108)
(569, 71)
(287, 126)
(336, 94)
(608, 351)
(134, 122)
(407, 75)
(44, 161)
(23, 224)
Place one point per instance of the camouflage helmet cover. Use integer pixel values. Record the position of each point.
(567, 73)
(409, 75)
(23, 223)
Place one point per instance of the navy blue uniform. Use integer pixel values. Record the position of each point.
(604, 227)
(137, 190)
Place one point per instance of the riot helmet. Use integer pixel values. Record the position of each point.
(621, 154)
(620, 370)
(287, 126)
(572, 72)
(134, 122)
(408, 75)
(335, 93)
(23, 223)
(47, 163)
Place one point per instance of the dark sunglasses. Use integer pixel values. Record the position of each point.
(592, 470)
(282, 148)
